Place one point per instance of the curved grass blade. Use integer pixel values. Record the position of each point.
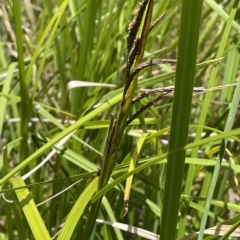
(77, 210)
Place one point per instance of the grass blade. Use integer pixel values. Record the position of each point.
(77, 210)
(25, 103)
(187, 52)
(30, 210)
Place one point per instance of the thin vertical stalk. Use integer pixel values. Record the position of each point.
(25, 103)
(187, 52)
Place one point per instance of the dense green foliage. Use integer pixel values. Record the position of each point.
(63, 86)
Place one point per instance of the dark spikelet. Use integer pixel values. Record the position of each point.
(153, 24)
(134, 25)
(133, 52)
(150, 63)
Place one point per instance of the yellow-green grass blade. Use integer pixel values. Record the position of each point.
(133, 161)
(199, 208)
(30, 210)
(6, 90)
(164, 130)
(219, 10)
(77, 210)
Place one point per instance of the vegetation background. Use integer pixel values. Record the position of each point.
(62, 73)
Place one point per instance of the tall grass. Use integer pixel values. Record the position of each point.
(62, 84)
